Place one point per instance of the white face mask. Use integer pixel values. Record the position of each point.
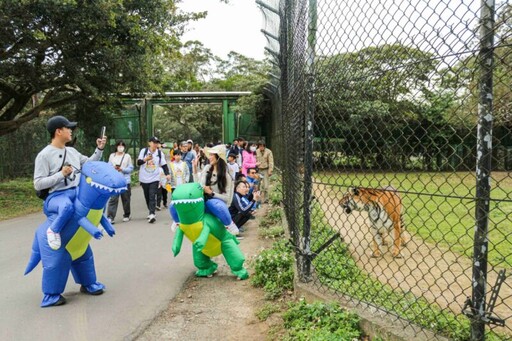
(120, 149)
(253, 149)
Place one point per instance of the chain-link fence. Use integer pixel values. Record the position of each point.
(392, 124)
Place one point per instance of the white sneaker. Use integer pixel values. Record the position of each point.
(233, 229)
(158, 208)
(151, 218)
(110, 220)
(175, 226)
(126, 219)
(53, 239)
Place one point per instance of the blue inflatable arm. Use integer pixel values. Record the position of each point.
(89, 227)
(107, 226)
(178, 240)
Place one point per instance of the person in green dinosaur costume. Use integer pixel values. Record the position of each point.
(208, 235)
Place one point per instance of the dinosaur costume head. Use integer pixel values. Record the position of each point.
(189, 202)
(98, 183)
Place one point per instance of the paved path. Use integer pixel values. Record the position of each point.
(137, 267)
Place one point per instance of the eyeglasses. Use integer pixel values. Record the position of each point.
(252, 172)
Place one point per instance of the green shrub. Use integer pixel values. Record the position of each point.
(320, 321)
(275, 231)
(273, 269)
(267, 310)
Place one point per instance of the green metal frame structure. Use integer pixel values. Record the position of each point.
(145, 106)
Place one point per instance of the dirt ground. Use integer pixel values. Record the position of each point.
(217, 308)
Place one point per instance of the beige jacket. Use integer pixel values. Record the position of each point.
(266, 159)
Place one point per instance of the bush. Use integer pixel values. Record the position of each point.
(275, 231)
(320, 321)
(273, 269)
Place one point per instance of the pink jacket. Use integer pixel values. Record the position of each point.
(249, 161)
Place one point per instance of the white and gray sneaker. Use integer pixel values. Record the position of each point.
(151, 218)
(53, 239)
(126, 219)
(233, 229)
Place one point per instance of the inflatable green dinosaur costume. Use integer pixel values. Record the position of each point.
(208, 235)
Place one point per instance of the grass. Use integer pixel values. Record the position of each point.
(439, 207)
(18, 198)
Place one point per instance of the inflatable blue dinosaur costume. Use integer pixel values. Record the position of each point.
(99, 181)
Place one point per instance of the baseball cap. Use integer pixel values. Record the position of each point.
(154, 139)
(190, 141)
(57, 122)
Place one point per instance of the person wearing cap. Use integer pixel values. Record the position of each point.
(122, 162)
(150, 160)
(56, 169)
(218, 188)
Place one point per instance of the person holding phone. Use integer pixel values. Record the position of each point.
(122, 162)
(55, 169)
(150, 160)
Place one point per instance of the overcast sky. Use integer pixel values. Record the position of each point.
(228, 27)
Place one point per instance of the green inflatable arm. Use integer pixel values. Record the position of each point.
(178, 240)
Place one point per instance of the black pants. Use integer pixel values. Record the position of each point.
(150, 192)
(241, 218)
(114, 200)
(161, 196)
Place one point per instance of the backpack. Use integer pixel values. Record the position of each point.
(159, 153)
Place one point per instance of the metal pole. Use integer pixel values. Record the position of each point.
(483, 169)
(308, 138)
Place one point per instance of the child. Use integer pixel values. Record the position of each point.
(234, 169)
(179, 171)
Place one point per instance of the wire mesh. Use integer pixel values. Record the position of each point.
(382, 112)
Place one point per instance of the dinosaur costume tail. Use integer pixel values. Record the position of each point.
(35, 257)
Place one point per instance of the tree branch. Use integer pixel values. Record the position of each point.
(7, 127)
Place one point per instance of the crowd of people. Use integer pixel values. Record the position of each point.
(234, 177)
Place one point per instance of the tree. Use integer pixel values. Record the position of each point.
(59, 52)
(203, 123)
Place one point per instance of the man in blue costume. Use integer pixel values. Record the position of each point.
(99, 182)
(55, 170)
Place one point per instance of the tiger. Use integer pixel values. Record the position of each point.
(384, 207)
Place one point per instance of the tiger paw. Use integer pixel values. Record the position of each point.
(376, 254)
(396, 254)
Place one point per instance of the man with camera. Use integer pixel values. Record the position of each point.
(55, 174)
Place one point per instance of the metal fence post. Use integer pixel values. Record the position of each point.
(483, 169)
(308, 139)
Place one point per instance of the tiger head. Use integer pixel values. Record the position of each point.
(352, 200)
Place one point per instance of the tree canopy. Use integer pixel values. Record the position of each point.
(59, 52)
